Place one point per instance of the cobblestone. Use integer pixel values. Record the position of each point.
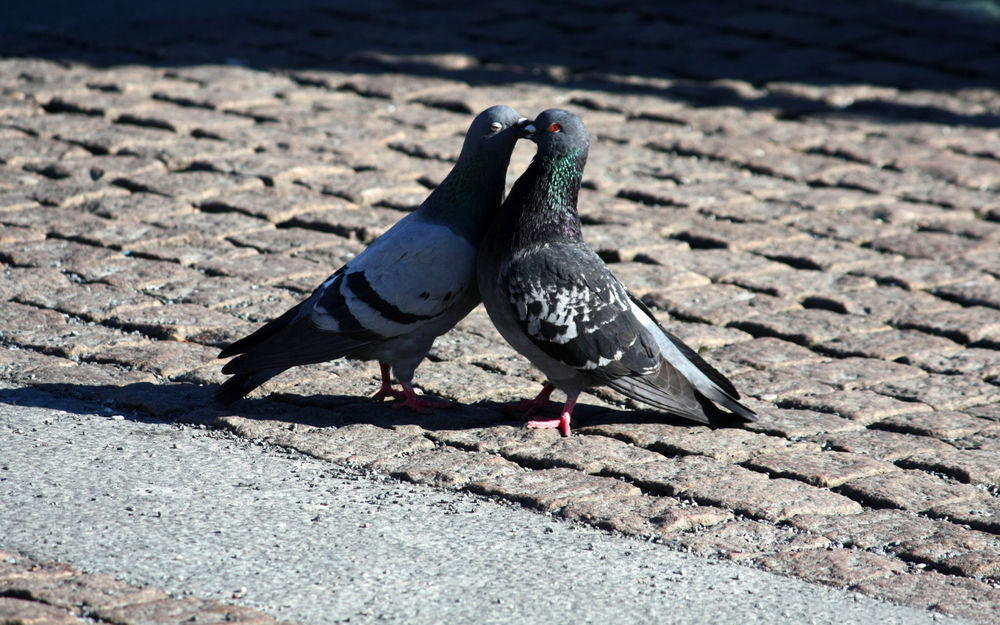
(909, 346)
(954, 596)
(743, 539)
(645, 516)
(972, 466)
(909, 490)
(810, 326)
(827, 469)
(809, 202)
(54, 593)
(863, 406)
(727, 445)
(887, 446)
(728, 486)
(836, 567)
(939, 424)
(552, 489)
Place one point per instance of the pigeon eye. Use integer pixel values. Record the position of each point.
(555, 128)
(496, 126)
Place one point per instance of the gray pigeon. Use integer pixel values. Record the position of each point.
(556, 302)
(411, 285)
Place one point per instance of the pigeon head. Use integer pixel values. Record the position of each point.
(559, 133)
(494, 131)
(472, 191)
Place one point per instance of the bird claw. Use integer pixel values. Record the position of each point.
(387, 393)
(423, 405)
(562, 424)
(407, 398)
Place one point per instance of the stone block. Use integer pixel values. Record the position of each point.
(884, 445)
(944, 425)
(724, 444)
(553, 489)
(173, 610)
(645, 516)
(861, 406)
(908, 346)
(857, 373)
(942, 392)
(446, 467)
(834, 567)
(809, 326)
(795, 424)
(826, 469)
(717, 304)
(24, 612)
(915, 491)
(972, 466)
(746, 492)
(959, 597)
(974, 325)
(743, 539)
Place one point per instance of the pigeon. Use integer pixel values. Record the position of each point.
(411, 285)
(556, 302)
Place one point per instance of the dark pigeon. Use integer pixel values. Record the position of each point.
(556, 302)
(411, 285)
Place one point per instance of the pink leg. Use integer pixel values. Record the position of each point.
(387, 390)
(530, 407)
(562, 423)
(407, 397)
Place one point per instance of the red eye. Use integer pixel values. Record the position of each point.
(555, 128)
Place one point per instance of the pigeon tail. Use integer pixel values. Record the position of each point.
(302, 345)
(263, 333)
(239, 386)
(737, 411)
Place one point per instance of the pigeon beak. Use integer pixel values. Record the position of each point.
(526, 126)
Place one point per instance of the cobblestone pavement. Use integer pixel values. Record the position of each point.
(51, 593)
(806, 192)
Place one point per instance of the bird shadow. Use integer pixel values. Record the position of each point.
(194, 403)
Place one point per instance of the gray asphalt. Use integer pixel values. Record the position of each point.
(196, 511)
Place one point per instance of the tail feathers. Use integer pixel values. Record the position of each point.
(665, 389)
(239, 385)
(731, 404)
(262, 333)
(298, 346)
(668, 390)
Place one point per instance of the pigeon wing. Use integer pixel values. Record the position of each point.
(407, 278)
(573, 309)
(570, 316)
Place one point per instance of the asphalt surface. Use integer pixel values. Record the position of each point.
(196, 511)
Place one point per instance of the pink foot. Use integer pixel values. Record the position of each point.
(562, 423)
(423, 405)
(387, 390)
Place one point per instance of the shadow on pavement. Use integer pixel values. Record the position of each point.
(193, 403)
(678, 50)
